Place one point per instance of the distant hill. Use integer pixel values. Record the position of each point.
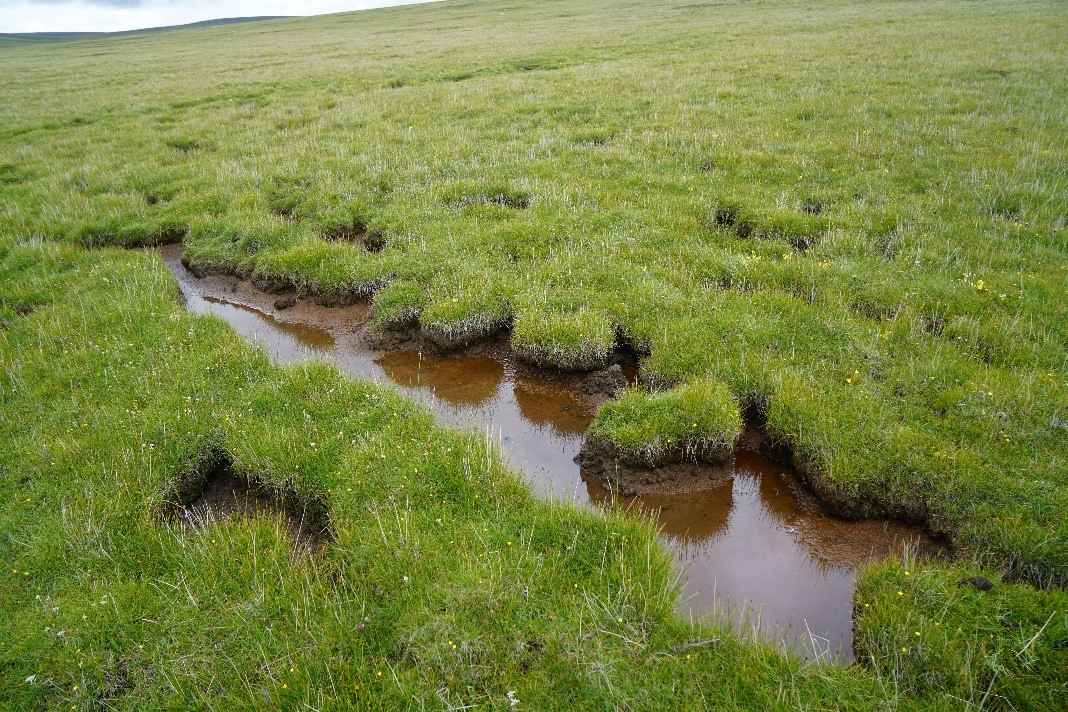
(10, 38)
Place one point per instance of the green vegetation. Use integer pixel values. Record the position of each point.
(575, 341)
(397, 305)
(854, 213)
(697, 422)
(1012, 656)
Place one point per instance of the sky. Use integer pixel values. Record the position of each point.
(113, 15)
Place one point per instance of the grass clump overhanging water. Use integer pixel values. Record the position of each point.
(575, 341)
(696, 422)
(397, 305)
(854, 213)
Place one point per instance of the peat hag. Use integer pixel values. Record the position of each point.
(748, 538)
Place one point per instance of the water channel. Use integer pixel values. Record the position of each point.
(752, 543)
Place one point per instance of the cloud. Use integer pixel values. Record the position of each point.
(116, 15)
(102, 3)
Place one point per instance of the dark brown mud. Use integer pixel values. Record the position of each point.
(213, 491)
(675, 470)
(749, 537)
(357, 233)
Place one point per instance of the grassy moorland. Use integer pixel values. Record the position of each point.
(854, 215)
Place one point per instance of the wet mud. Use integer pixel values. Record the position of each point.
(213, 491)
(676, 469)
(749, 537)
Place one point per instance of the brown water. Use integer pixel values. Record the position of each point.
(752, 543)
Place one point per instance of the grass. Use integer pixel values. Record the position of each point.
(852, 212)
(582, 340)
(1012, 657)
(446, 581)
(695, 422)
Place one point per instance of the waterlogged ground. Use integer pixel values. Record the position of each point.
(749, 542)
(850, 214)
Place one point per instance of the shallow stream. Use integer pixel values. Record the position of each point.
(752, 543)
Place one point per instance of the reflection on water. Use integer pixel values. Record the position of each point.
(285, 341)
(547, 404)
(753, 541)
(689, 520)
(458, 382)
(749, 543)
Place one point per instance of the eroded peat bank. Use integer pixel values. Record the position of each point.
(750, 541)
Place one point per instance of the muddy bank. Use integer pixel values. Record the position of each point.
(605, 376)
(602, 383)
(906, 507)
(689, 469)
(279, 284)
(212, 490)
(683, 469)
(675, 470)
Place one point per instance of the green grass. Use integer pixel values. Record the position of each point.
(1012, 655)
(896, 298)
(445, 580)
(574, 341)
(695, 422)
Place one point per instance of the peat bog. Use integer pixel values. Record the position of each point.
(809, 241)
(748, 538)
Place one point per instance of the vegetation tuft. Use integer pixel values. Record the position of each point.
(696, 422)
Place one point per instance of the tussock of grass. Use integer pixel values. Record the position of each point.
(576, 341)
(801, 227)
(695, 422)
(341, 273)
(503, 196)
(397, 305)
(465, 312)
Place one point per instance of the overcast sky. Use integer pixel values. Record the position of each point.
(111, 15)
